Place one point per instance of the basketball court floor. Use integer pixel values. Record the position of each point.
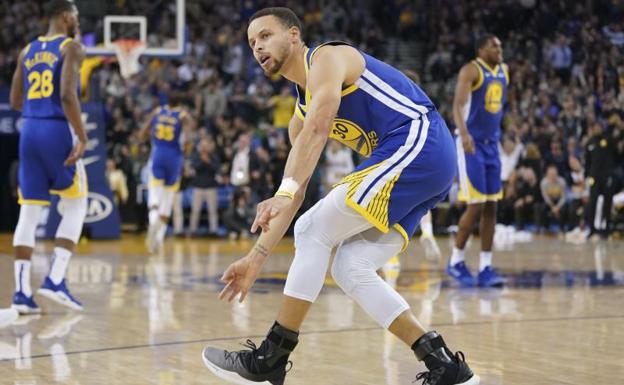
(147, 318)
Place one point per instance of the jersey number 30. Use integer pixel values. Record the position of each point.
(41, 85)
(164, 132)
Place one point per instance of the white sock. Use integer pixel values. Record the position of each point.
(59, 264)
(22, 276)
(154, 216)
(457, 256)
(485, 260)
(427, 229)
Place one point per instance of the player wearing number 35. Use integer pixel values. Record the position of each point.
(168, 128)
(369, 217)
(52, 141)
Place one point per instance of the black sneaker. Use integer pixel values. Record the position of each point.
(445, 368)
(247, 366)
(455, 373)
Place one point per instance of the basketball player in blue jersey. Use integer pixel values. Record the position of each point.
(376, 110)
(168, 127)
(52, 142)
(480, 95)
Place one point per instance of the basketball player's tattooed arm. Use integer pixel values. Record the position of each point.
(17, 97)
(468, 76)
(242, 274)
(73, 55)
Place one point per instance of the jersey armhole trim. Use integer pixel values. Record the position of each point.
(480, 80)
(65, 42)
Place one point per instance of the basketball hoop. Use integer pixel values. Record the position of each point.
(128, 52)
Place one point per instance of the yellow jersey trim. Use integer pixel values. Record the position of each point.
(475, 196)
(36, 202)
(305, 61)
(493, 71)
(403, 233)
(49, 38)
(506, 72)
(174, 187)
(156, 182)
(371, 219)
(65, 42)
(27, 49)
(480, 80)
(299, 114)
(348, 90)
(75, 190)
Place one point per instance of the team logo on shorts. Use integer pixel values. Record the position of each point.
(353, 136)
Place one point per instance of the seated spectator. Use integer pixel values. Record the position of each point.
(239, 215)
(527, 202)
(117, 182)
(553, 189)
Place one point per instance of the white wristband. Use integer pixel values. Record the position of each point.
(288, 187)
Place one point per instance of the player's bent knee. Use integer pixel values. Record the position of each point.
(27, 225)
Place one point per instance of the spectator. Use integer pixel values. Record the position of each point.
(283, 106)
(527, 201)
(560, 56)
(239, 175)
(338, 164)
(206, 167)
(210, 102)
(509, 155)
(117, 182)
(553, 188)
(238, 217)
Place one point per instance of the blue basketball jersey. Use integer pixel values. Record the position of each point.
(484, 112)
(42, 67)
(167, 128)
(383, 99)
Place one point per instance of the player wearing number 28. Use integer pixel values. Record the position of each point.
(369, 217)
(52, 141)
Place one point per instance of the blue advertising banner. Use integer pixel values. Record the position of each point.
(9, 118)
(102, 221)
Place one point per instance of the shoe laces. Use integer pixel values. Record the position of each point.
(253, 359)
(433, 376)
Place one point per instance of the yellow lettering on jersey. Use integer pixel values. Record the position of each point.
(494, 97)
(41, 57)
(167, 119)
(41, 85)
(164, 132)
(353, 136)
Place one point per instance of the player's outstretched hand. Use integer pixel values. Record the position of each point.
(267, 210)
(77, 153)
(239, 277)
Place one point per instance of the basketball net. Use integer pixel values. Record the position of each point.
(128, 53)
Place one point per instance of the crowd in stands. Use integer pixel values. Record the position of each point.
(566, 64)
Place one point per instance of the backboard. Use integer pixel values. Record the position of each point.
(160, 24)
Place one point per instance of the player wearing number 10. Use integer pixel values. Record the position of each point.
(52, 142)
(165, 125)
